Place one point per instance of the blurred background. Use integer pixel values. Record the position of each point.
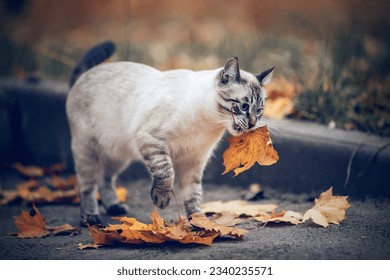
(332, 57)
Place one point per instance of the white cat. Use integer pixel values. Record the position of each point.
(172, 121)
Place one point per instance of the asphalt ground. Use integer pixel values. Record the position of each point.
(365, 234)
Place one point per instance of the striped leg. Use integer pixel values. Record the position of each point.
(158, 161)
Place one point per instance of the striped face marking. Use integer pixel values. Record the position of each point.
(241, 96)
(244, 103)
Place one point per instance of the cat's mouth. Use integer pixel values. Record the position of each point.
(237, 129)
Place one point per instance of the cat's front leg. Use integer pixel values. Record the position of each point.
(157, 159)
(190, 181)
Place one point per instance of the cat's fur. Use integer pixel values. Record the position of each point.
(172, 121)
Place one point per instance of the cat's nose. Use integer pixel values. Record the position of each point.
(252, 121)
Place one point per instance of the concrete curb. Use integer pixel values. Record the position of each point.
(34, 130)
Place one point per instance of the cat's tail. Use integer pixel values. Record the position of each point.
(96, 55)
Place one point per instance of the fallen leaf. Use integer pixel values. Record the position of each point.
(8, 197)
(227, 219)
(29, 171)
(43, 194)
(28, 185)
(327, 209)
(238, 207)
(247, 149)
(121, 193)
(291, 217)
(61, 183)
(31, 224)
(201, 221)
(196, 229)
(88, 246)
(64, 229)
(55, 168)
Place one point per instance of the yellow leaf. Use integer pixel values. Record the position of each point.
(201, 221)
(247, 149)
(238, 207)
(327, 209)
(291, 217)
(121, 193)
(278, 108)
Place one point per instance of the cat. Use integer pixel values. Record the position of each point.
(121, 112)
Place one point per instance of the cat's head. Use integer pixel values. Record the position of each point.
(241, 97)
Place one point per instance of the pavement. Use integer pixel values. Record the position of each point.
(365, 234)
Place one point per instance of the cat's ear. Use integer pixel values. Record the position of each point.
(231, 71)
(266, 76)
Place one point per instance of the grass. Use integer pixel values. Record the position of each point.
(343, 80)
(350, 86)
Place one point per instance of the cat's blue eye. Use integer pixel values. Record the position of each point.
(244, 107)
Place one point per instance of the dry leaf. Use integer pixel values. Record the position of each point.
(43, 194)
(61, 183)
(55, 168)
(278, 108)
(227, 219)
(327, 209)
(88, 246)
(132, 231)
(8, 197)
(280, 94)
(27, 186)
(247, 149)
(31, 224)
(121, 193)
(64, 229)
(29, 171)
(238, 207)
(291, 217)
(201, 221)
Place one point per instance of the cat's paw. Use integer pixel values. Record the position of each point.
(161, 198)
(90, 220)
(195, 212)
(118, 209)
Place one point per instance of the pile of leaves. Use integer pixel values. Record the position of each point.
(45, 185)
(195, 229)
(327, 209)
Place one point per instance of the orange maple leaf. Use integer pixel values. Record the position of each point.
(247, 149)
(31, 224)
(327, 209)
